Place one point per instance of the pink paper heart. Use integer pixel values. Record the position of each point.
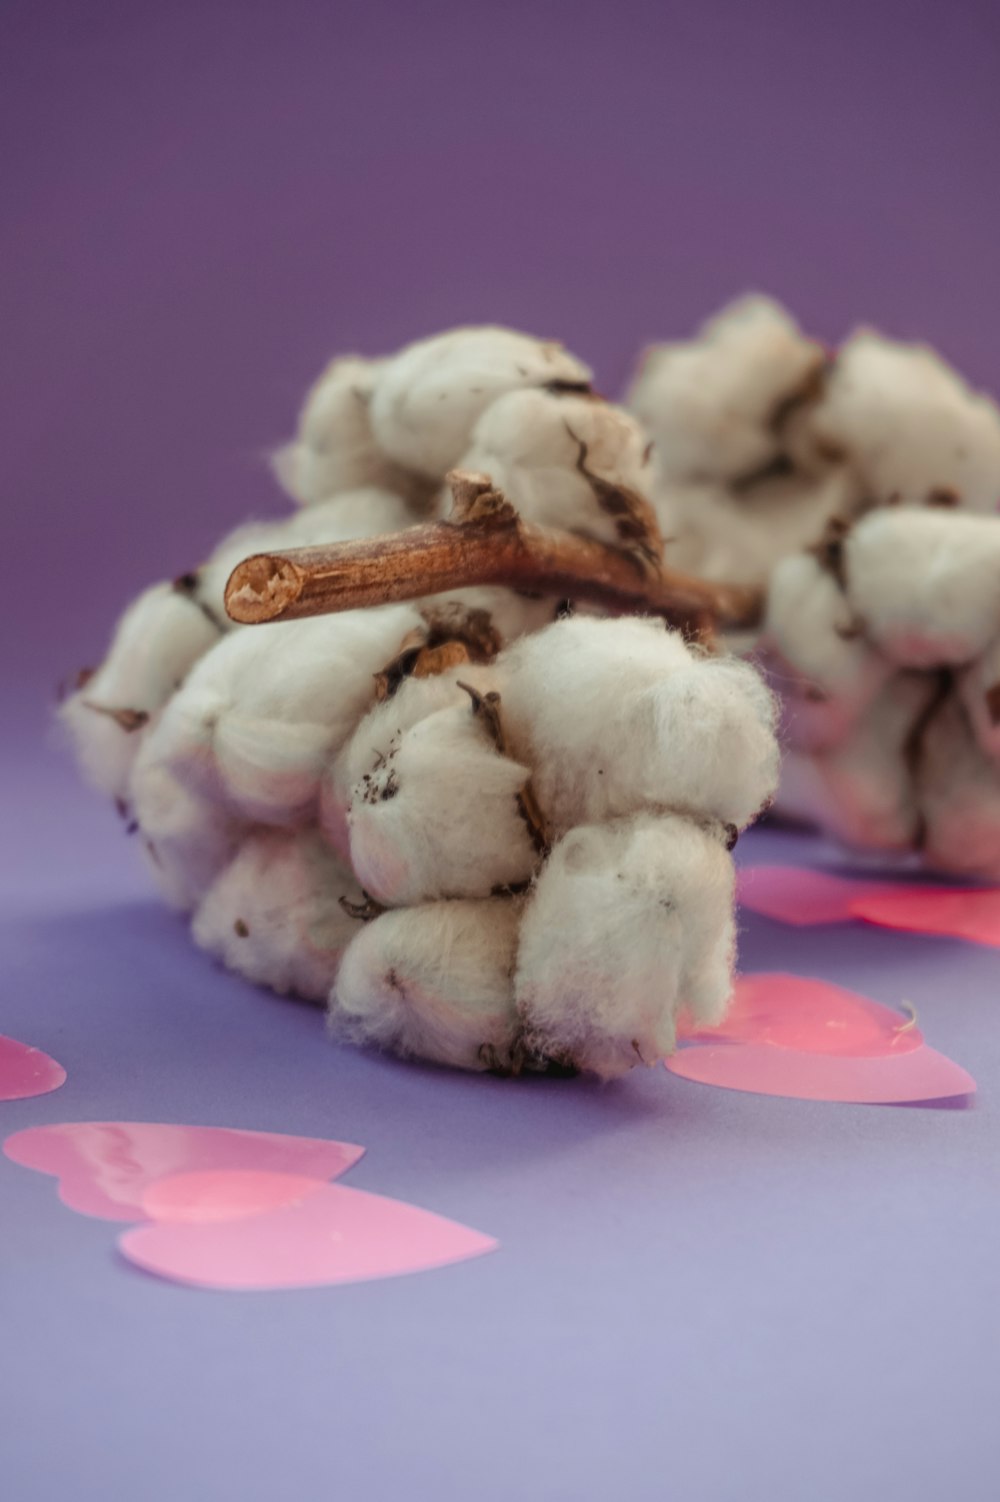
(26, 1071)
(325, 1236)
(224, 1194)
(953, 912)
(105, 1167)
(792, 894)
(793, 1036)
(802, 897)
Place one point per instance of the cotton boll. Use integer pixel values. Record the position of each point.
(188, 839)
(380, 729)
(826, 670)
(366, 511)
(618, 715)
(428, 398)
(334, 449)
(862, 791)
(569, 461)
(263, 714)
(155, 644)
(926, 584)
(439, 815)
(629, 923)
(979, 691)
(739, 536)
(910, 425)
(714, 405)
(274, 914)
(959, 792)
(433, 982)
(511, 614)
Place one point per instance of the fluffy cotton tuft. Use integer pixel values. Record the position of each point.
(820, 658)
(926, 584)
(334, 449)
(438, 815)
(959, 792)
(428, 398)
(629, 924)
(156, 642)
(433, 982)
(187, 839)
(274, 913)
(713, 405)
(911, 427)
(687, 733)
(569, 461)
(260, 718)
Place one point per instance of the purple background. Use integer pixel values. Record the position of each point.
(699, 1294)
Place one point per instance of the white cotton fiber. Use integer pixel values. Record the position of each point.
(818, 656)
(187, 838)
(959, 792)
(379, 730)
(334, 449)
(910, 426)
(925, 584)
(862, 790)
(629, 923)
(618, 715)
(569, 461)
(156, 642)
(738, 536)
(714, 405)
(262, 715)
(438, 815)
(433, 982)
(428, 398)
(978, 687)
(274, 913)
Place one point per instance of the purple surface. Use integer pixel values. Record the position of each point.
(699, 1294)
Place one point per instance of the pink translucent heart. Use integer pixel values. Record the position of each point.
(812, 1016)
(805, 898)
(332, 1235)
(956, 912)
(105, 1167)
(26, 1071)
(221, 1194)
(793, 1036)
(795, 895)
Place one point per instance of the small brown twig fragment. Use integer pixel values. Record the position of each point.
(484, 541)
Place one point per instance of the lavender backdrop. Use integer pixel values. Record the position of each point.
(699, 1295)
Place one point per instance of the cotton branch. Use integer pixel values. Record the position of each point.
(483, 541)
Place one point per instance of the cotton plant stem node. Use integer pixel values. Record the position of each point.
(483, 542)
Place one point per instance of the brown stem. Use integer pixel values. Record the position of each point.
(483, 541)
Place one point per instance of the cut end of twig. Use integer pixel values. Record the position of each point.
(262, 588)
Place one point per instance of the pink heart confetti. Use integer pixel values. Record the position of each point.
(221, 1194)
(104, 1168)
(27, 1071)
(232, 1209)
(317, 1236)
(802, 897)
(793, 1036)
